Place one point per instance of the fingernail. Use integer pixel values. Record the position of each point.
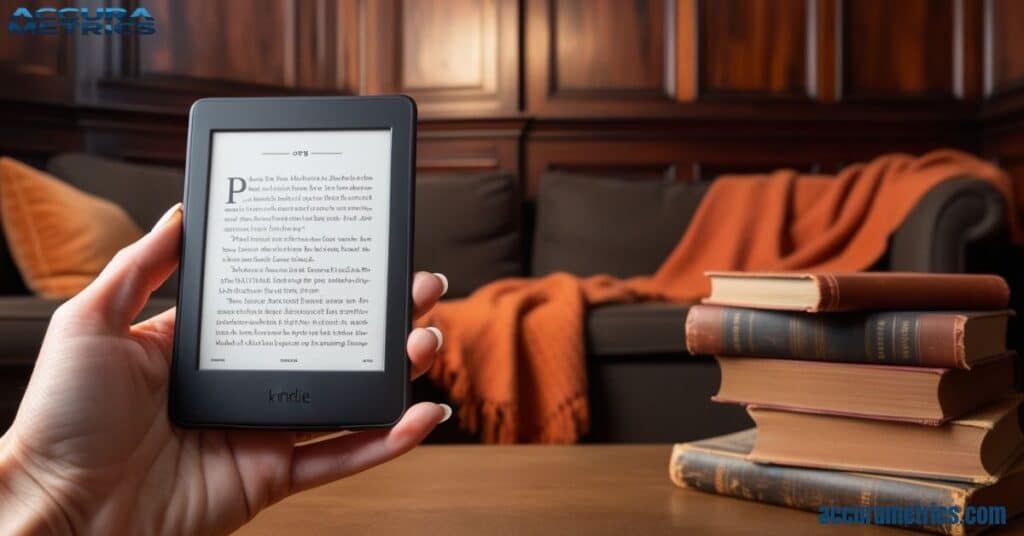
(166, 217)
(437, 333)
(444, 282)
(447, 413)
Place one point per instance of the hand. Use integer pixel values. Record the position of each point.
(92, 451)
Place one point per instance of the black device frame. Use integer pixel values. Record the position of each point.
(336, 399)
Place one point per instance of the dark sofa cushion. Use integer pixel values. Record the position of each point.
(591, 225)
(145, 192)
(637, 329)
(23, 321)
(467, 227)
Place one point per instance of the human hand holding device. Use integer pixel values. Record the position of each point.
(92, 450)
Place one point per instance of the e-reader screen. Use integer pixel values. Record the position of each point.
(296, 251)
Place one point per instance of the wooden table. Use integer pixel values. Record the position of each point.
(476, 490)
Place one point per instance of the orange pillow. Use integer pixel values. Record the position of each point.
(59, 236)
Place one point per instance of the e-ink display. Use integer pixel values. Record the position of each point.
(296, 251)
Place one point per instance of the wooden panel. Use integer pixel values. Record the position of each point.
(270, 47)
(34, 68)
(469, 145)
(687, 57)
(448, 44)
(467, 155)
(608, 45)
(594, 58)
(969, 53)
(898, 49)
(1006, 24)
(34, 132)
(825, 59)
(26, 53)
(455, 58)
(239, 40)
(327, 45)
(753, 46)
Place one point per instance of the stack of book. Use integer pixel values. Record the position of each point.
(867, 389)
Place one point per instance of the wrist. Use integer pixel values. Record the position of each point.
(26, 506)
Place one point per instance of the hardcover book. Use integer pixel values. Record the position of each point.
(945, 339)
(857, 291)
(719, 465)
(916, 394)
(975, 448)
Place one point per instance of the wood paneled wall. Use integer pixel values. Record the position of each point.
(651, 89)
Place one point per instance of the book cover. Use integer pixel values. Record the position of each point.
(719, 465)
(943, 339)
(978, 447)
(922, 395)
(857, 291)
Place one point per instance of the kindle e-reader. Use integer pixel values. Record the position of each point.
(294, 284)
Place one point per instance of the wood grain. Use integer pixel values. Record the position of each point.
(898, 49)
(42, 55)
(456, 58)
(687, 50)
(1007, 27)
(608, 45)
(970, 26)
(34, 68)
(474, 490)
(753, 46)
(826, 26)
(448, 44)
(599, 59)
(238, 40)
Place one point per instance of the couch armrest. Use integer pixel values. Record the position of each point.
(935, 235)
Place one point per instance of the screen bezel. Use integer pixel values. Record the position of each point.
(348, 399)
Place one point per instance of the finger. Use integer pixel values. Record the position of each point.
(423, 344)
(427, 288)
(160, 329)
(122, 289)
(302, 438)
(319, 463)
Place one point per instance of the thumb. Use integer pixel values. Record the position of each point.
(121, 290)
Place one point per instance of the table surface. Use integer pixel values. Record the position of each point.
(620, 489)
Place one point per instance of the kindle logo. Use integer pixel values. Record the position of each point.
(296, 396)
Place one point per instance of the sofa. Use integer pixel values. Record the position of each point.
(477, 227)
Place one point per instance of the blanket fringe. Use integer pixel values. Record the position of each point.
(497, 422)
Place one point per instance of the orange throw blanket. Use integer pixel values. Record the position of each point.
(513, 355)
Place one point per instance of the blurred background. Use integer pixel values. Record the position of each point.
(680, 89)
(663, 94)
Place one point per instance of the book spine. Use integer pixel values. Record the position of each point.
(894, 291)
(805, 489)
(893, 338)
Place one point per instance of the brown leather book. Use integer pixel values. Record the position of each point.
(917, 394)
(857, 291)
(719, 465)
(974, 448)
(947, 339)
